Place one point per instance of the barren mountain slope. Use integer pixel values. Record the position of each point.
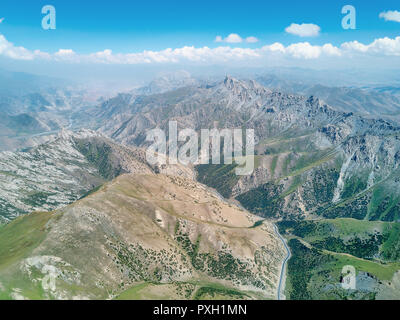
(59, 172)
(138, 232)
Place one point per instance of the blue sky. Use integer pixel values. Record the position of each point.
(132, 26)
(97, 37)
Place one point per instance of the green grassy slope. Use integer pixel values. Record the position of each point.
(321, 248)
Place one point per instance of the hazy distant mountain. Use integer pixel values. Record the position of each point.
(364, 101)
(349, 77)
(167, 82)
(20, 83)
(388, 89)
(357, 100)
(41, 108)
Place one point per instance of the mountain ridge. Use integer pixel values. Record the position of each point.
(295, 136)
(142, 228)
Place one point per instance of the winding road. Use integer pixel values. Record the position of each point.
(281, 284)
(283, 269)
(46, 133)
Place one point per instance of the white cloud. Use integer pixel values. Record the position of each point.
(383, 47)
(304, 29)
(63, 53)
(275, 47)
(232, 38)
(304, 50)
(251, 40)
(331, 50)
(9, 50)
(1, 20)
(390, 15)
(235, 38)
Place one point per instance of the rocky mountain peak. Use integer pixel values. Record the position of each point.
(68, 135)
(232, 83)
(240, 86)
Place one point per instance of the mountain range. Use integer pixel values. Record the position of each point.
(312, 159)
(109, 225)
